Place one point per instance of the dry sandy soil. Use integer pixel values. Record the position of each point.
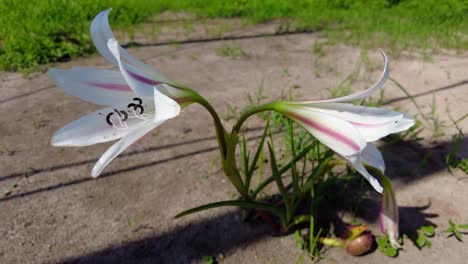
(52, 211)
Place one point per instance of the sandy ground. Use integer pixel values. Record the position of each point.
(52, 211)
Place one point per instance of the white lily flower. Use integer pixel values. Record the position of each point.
(347, 128)
(138, 98)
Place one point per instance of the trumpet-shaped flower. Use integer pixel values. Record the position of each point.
(347, 129)
(137, 98)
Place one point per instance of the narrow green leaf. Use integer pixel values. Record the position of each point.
(245, 158)
(257, 154)
(450, 229)
(294, 176)
(244, 204)
(451, 223)
(298, 240)
(313, 244)
(463, 226)
(279, 182)
(270, 179)
(458, 235)
(317, 171)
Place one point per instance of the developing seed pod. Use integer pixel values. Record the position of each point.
(359, 245)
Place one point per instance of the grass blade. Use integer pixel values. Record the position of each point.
(244, 204)
(286, 167)
(279, 182)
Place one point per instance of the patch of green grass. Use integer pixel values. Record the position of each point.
(44, 31)
(232, 51)
(318, 50)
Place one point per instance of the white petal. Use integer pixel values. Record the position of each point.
(355, 161)
(120, 146)
(404, 124)
(94, 128)
(372, 156)
(101, 33)
(166, 108)
(336, 133)
(141, 85)
(362, 94)
(97, 86)
(373, 123)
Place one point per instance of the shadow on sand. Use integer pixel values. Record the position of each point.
(224, 233)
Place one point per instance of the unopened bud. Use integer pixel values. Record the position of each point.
(359, 245)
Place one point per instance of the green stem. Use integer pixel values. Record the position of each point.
(252, 111)
(225, 145)
(229, 163)
(221, 133)
(331, 242)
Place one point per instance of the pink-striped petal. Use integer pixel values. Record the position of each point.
(372, 123)
(102, 87)
(140, 85)
(336, 133)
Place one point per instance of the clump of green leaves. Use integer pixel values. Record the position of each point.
(456, 230)
(423, 235)
(383, 244)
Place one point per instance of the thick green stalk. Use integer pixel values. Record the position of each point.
(225, 145)
(252, 111)
(221, 134)
(229, 163)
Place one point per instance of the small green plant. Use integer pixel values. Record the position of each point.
(423, 235)
(232, 113)
(451, 159)
(7, 151)
(437, 129)
(232, 51)
(456, 230)
(384, 246)
(318, 50)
